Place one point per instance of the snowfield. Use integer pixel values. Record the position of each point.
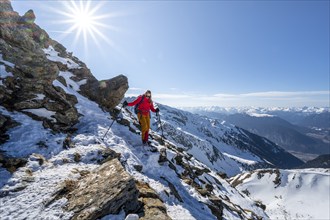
(290, 194)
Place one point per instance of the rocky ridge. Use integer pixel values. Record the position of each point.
(30, 64)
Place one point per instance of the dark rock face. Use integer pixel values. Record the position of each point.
(265, 149)
(289, 136)
(105, 191)
(32, 73)
(5, 124)
(322, 161)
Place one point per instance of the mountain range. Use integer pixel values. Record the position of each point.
(70, 151)
(304, 132)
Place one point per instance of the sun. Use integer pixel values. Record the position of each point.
(83, 20)
(86, 22)
(82, 16)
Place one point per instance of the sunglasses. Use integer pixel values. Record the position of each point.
(148, 96)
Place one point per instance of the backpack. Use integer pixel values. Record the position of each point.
(136, 110)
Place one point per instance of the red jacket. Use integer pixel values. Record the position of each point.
(145, 106)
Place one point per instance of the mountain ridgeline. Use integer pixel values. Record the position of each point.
(60, 160)
(304, 132)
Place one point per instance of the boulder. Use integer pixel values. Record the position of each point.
(112, 91)
(28, 17)
(106, 190)
(107, 93)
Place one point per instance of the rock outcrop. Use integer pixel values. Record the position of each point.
(11, 163)
(105, 191)
(153, 206)
(30, 62)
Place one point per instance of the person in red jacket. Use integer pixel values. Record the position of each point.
(145, 104)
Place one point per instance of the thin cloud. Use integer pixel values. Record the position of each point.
(136, 89)
(285, 94)
(223, 95)
(262, 99)
(131, 95)
(171, 96)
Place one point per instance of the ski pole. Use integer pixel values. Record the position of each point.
(161, 126)
(112, 123)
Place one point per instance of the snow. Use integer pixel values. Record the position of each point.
(203, 135)
(302, 194)
(39, 97)
(258, 115)
(6, 62)
(3, 73)
(42, 112)
(52, 55)
(29, 197)
(72, 84)
(260, 111)
(4, 176)
(243, 161)
(26, 193)
(30, 137)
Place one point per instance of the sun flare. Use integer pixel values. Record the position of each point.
(81, 16)
(86, 22)
(82, 20)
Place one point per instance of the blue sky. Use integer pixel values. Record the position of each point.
(195, 53)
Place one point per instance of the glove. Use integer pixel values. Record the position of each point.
(125, 104)
(157, 110)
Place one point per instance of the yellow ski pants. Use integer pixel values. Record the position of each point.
(144, 121)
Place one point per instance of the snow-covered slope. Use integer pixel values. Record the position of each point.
(24, 193)
(220, 145)
(289, 194)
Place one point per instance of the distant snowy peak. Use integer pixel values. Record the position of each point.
(258, 110)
